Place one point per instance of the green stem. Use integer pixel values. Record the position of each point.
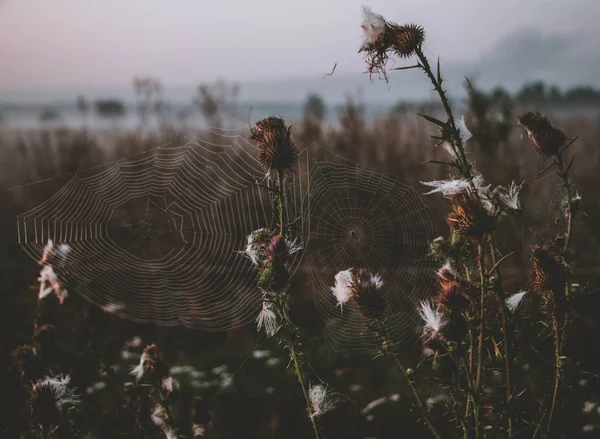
(301, 380)
(504, 322)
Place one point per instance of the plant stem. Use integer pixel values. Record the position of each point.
(281, 206)
(300, 375)
(480, 337)
(504, 321)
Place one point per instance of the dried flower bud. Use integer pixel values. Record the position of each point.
(277, 151)
(366, 292)
(549, 271)
(469, 218)
(409, 38)
(547, 140)
(277, 249)
(453, 296)
(47, 399)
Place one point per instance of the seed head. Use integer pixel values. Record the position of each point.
(267, 318)
(366, 292)
(549, 271)
(343, 286)
(513, 302)
(409, 38)
(321, 400)
(547, 140)
(274, 139)
(469, 218)
(433, 321)
(47, 399)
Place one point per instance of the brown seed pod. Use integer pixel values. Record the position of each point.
(274, 139)
(547, 140)
(367, 295)
(408, 38)
(469, 218)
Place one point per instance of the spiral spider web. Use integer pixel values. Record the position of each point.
(362, 218)
(544, 218)
(157, 239)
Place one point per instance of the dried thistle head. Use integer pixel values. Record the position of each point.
(547, 140)
(47, 399)
(456, 328)
(366, 292)
(409, 39)
(453, 296)
(469, 218)
(549, 271)
(274, 139)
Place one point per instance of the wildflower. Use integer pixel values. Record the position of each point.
(277, 151)
(513, 302)
(433, 319)
(255, 247)
(366, 292)
(378, 40)
(510, 196)
(161, 419)
(49, 283)
(373, 26)
(409, 39)
(469, 217)
(547, 140)
(447, 187)
(343, 287)
(321, 400)
(48, 397)
(464, 132)
(267, 319)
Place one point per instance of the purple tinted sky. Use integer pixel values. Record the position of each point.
(46, 43)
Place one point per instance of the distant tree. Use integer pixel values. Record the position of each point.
(149, 98)
(49, 114)
(83, 107)
(533, 93)
(217, 101)
(314, 116)
(110, 108)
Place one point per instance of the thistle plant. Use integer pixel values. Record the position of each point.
(364, 289)
(270, 251)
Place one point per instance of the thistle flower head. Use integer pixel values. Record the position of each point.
(547, 140)
(151, 369)
(256, 246)
(447, 188)
(343, 287)
(453, 296)
(509, 197)
(267, 319)
(321, 400)
(433, 320)
(513, 302)
(446, 274)
(549, 271)
(274, 139)
(469, 217)
(366, 292)
(409, 39)
(48, 397)
(373, 26)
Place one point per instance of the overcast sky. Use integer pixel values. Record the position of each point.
(48, 43)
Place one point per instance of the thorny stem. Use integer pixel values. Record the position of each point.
(480, 337)
(559, 339)
(503, 317)
(386, 341)
(280, 183)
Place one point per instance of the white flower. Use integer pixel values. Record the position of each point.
(267, 318)
(510, 196)
(49, 283)
(160, 418)
(373, 26)
(343, 287)
(447, 187)
(434, 320)
(321, 400)
(58, 388)
(515, 300)
(464, 132)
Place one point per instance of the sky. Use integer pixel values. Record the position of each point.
(75, 43)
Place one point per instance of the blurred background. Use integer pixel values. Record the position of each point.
(83, 84)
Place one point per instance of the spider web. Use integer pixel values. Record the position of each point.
(544, 217)
(157, 239)
(362, 218)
